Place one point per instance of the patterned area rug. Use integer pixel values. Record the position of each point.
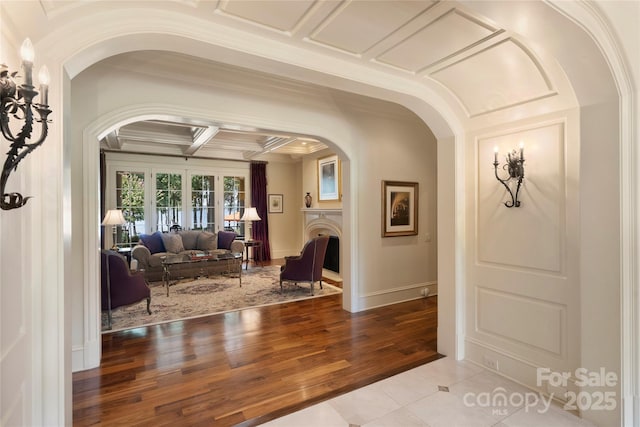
(218, 294)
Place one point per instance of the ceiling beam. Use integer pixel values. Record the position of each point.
(112, 140)
(202, 139)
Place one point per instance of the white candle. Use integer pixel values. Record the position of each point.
(495, 154)
(44, 78)
(521, 150)
(27, 54)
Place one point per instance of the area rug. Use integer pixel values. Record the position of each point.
(205, 296)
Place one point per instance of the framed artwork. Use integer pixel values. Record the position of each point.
(399, 208)
(328, 179)
(275, 203)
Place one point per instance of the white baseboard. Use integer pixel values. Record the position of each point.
(398, 294)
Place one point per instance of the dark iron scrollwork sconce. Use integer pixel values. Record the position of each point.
(17, 103)
(515, 168)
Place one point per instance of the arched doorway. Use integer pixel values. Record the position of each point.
(627, 223)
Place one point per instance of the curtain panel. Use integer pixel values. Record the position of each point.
(260, 229)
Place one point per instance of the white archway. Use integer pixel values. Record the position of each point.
(54, 320)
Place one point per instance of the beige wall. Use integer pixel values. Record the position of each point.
(284, 228)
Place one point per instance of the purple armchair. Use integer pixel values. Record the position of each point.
(307, 267)
(119, 286)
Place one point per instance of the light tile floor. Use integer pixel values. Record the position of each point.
(442, 393)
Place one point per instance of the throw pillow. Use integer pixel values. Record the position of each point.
(225, 238)
(207, 241)
(172, 242)
(189, 239)
(153, 242)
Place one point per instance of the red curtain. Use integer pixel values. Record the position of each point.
(260, 229)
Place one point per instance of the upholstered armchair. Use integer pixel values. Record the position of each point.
(119, 286)
(307, 267)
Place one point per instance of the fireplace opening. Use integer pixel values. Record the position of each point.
(332, 257)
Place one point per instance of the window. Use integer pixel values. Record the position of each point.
(203, 202)
(156, 192)
(168, 200)
(130, 199)
(234, 203)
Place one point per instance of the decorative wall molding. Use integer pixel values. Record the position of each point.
(543, 323)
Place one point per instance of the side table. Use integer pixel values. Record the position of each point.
(255, 244)
(126, 252)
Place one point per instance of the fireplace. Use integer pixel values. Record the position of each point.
(326, 222)
(332, 258)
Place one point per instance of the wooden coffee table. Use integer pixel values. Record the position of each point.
(206, 265)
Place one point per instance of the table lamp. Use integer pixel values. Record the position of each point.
(114, 218)
(250, 215)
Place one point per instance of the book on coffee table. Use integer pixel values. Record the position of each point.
(198, 257)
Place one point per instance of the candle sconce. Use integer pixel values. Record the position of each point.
(515, 168)
(17, 103)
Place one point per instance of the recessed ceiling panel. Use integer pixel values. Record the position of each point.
(450, 33)
(500, 76)
(359, 25)
(279, 15)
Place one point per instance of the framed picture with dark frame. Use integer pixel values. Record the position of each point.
(276, 203)
(328, 178)
(399, 208)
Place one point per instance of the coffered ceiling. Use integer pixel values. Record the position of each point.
(201, 140)
(443, 44)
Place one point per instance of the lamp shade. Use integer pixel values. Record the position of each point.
(250, 214)
(232, 216)
(114, 217)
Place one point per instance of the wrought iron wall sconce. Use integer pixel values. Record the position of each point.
(515, 168)
(17, 103)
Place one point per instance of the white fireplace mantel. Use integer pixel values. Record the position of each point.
(325, 219)
(330, 211)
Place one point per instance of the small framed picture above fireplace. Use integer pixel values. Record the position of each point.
(399, 208)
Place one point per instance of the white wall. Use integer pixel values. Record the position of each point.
(15, 300)
(600, 252)
(541, 279)
(522, 262)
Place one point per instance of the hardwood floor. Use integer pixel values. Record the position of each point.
(250, 366)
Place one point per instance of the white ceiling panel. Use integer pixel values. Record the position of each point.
(357, 26)
(494, 78)
(277, 15)
(423, 41)
(450, 33)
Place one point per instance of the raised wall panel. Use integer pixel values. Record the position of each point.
(359, 25)
(278, 15)
(449, 33)
(500, 76)
(532, 235)
(525, 320)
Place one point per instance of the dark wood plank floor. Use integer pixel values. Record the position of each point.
(247, 367)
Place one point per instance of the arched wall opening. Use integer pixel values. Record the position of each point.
(332, 129)
(409, 100)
